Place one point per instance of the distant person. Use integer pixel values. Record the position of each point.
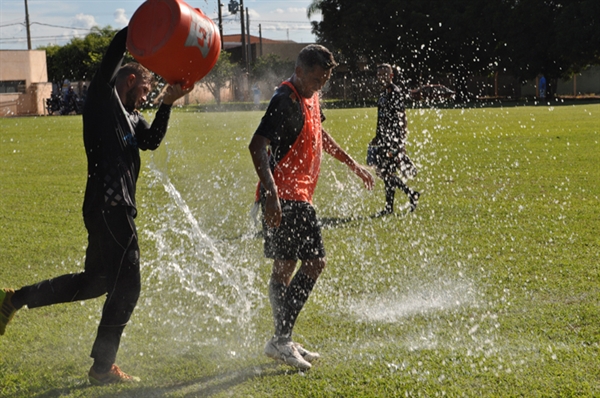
(286, 150)
(387, 150)
(542, 87)
(65, 89)
(84, 93)
(71, 105)
(256, 93)
(113, 132)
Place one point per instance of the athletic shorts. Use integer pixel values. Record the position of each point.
(297, 237)
(378, 158)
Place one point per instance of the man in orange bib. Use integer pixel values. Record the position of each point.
(286, 150)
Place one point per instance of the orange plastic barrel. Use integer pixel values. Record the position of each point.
(174, 40)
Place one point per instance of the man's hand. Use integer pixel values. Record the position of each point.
(272, 211)
(174, 92)
(364, 175)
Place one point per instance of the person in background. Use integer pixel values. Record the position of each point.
(286, 151)
(84, 94)
(387, 150)
(114, 131)
(256, 93)
(542, 87)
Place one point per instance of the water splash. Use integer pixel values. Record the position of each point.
(197, 284)
(441, 295)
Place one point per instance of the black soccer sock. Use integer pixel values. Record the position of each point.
(400, 184)
(295, 297)
(390, 192)
(277, 298)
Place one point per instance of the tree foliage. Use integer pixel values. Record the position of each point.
(80, 58)
(460, 38)
(272, 69)
(221, 74)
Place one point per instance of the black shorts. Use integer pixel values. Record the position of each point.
(388, 165)
(297, 237)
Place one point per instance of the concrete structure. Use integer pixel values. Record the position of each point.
(586, 83)
(24, 84)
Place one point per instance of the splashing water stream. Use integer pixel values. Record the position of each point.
(197, 284)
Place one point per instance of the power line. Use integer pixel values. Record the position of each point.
(7, 40)
(62, 27)
(12, 24)
(45, 24)
(33, 38)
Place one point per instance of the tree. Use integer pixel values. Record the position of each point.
(554, 38)
(272, 69)
(457, 39)
(425, 38)
(221, 74)
(80, 58)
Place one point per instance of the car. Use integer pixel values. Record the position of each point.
(432, 92)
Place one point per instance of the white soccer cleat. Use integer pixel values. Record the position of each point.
(307, 355)
(287, 353)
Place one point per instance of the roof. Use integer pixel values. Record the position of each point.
(253, 39)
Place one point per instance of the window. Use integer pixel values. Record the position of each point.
(12, 86)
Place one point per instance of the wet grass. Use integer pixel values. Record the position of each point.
(491, 288)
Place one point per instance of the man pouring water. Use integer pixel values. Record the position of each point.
(114, 131)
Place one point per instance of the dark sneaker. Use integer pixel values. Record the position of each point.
(383, 213)
(287, 353)
(114, 375)
(7, 311)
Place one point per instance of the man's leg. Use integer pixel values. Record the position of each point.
(120, 251)
(392, 182)
(286, 303)
(298, 291)
(390, 193)
(386, 170)
(288, 300)
(62, 289)
(67, 288)
(280, 279)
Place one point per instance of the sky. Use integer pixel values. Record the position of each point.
(58, 21)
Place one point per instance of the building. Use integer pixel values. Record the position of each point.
(24, 84)
(259, 46)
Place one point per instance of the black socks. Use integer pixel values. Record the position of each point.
(288, 302)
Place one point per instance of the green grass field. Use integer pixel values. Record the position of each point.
(491, 288)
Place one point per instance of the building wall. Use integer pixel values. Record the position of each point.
(286, 51)
(585, 83)
(30, 66)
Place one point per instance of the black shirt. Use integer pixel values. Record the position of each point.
(282, 123)
(391, 131)
(113, 137)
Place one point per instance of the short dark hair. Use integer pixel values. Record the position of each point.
(137, 69)
(386, 66)
(315, 55)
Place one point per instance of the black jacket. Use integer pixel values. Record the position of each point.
(113, 137)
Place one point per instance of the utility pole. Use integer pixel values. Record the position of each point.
(249, 46)
(260, 37)
(220, 23)
(234, 7)
(244, 58)
(27, 26)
